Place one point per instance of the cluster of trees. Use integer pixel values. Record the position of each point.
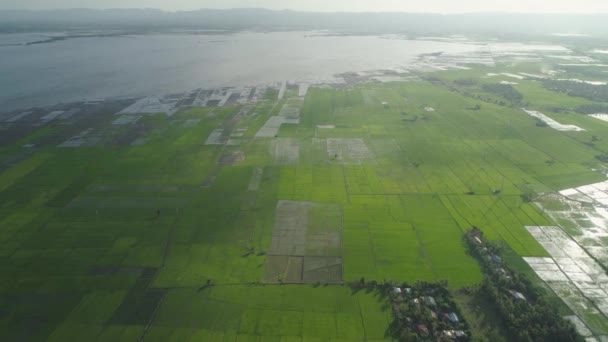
(418, 318)
(502, 103)
(504, 90)
(572, 88)
(466, 82)
(529, 317)
(592, 109)
(602, 157)
(580, 71)
(464, 92)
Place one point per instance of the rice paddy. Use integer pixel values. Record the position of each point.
(246, 221)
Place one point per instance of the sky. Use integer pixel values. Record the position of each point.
(435, 6)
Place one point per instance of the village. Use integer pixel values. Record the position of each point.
(425, 311)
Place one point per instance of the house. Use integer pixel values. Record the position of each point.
(477, 240)
(453, 317)
(396, 290)
(454, 334)
(429, 301)
(407, 290)
(497, 259)
(449, 333)
(503, 273)
(422, 329)
(517, 295)
(460, 333)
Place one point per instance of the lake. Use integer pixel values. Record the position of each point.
(137, 65)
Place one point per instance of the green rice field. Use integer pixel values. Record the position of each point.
(174, 239)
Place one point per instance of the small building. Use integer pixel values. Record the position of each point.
(407, 290)
(503, 273)
(453, 317)
(422, 329)
(396, 290)
(454, 334)
(430, 301)
(385, 104)
(477, 240)
(497, 259)
(518, 295)
(449, 334)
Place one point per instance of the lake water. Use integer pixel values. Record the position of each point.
(138, 65)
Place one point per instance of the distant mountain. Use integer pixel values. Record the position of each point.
(267, 20)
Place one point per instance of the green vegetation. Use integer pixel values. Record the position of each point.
(527, 314)
(481, 315)
(592, 109)
(425, 312)
(174, 238)
(591, 92)
(504, 90)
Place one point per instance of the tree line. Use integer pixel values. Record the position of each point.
(592, 109)
(504, 90)
(591, 92)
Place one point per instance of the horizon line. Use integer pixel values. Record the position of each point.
(300, 11)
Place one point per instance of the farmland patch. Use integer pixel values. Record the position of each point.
(306, 243)
(289, 114)
(128, 202)
(348, 151)
(573, 275)
(216, 137)
(256, 179)
(232, 158)
(286, 151)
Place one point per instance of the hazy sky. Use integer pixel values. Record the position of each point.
(441, 6)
